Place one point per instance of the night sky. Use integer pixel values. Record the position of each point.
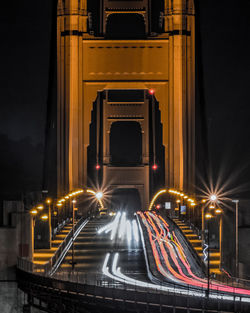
(25, 48)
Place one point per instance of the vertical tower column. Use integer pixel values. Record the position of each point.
(179, 23)
(72, 23)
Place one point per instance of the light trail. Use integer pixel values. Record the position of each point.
(115, 225)
(168, 246)
(135, 230)
(122, 226)
(129, 232)
(105, 228)
(119, 276)
(176, 251)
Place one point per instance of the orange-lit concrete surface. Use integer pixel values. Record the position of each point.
(164, 62)
(41, 256)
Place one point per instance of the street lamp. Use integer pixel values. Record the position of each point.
(48, 201)
(236, 237)
(208, 216)
(179, 207)
(213, 197)
(45, 217)
(73, 233)
(59, 205)
(99, 195)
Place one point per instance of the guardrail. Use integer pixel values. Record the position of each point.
(86, 289)
(191, 249)
(54, 262)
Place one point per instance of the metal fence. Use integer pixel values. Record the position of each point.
(95, 288)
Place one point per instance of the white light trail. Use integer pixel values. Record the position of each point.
(129, 232)
(125, 279)
(105, 228)
(122, 226)
(115, 225)
(135, 231)
(119, 276)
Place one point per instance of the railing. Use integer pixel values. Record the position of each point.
(60, 253)
(97, 289)
(232, 281)
(191, 249)
(54, 262)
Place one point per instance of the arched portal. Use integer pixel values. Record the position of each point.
(126, 143)
(126, 199)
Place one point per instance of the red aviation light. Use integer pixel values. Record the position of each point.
(155, 167)
(97, 167)
(151, 91)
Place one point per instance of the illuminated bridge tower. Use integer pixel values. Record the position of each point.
(125, 45)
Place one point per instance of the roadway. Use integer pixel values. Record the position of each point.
(175, 261)
(110, 251)
(95, 241)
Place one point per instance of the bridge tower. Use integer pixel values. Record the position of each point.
(126, 45)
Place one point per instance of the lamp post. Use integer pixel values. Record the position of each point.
(212, 199)
(236, 237)
(208, 216)
(48, 201)
(59, 205)
(73, 234)
(179, 207)
(219, 212)
(33, 213)
(203, 221)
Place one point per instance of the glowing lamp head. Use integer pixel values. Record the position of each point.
(218, 211)
(40, 207)
(33, 212)
(99, 195)
(154, 167)
(208, 216)
(213, 197)
(97, 167)
(48, 201)
(44, 217)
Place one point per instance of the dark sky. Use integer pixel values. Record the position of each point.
(24, 54)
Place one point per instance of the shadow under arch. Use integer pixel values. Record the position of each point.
(126, 199)
(125, 25)
(126, 143)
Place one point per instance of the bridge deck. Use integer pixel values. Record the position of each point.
(90, 249)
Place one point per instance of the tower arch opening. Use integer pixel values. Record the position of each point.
(125, 25)
(126, 199)
(126, 143)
